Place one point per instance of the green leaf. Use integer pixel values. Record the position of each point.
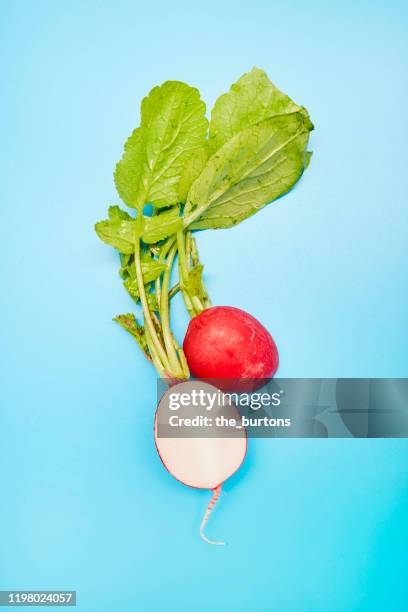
(173, 125)
(250, 100)
(160, 226)
(151, 268)
(133, 290)
(192, 170)
(118, 233)
(115, 212)
(256, 166)
(128, 322)
(194, 282)
(125, 260)
(152, 301)
(128, 172)
(308, 157)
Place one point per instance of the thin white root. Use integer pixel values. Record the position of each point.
(213, 501)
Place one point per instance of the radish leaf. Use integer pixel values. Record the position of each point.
(133, 290)
(161, 225)
(118, 233)
(115, 212)
(151, 269)
(128, 322)
(192, 170)
(173, 125)
(256, 166)
(250, 100)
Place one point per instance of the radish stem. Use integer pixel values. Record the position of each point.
(184, 273)
(165, 317)
(192, 301)
(154, 358)
(163, 252)
(156, 346)
(213, 501)
(174, 290)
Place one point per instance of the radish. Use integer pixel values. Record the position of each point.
(200, 462)
(180, 173)
(224, 342)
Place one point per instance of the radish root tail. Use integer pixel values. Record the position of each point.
(213, 501)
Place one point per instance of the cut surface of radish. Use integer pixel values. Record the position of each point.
(201, 462)
(198, 461)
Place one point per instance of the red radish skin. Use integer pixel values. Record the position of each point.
(224, 342)
(200, 463)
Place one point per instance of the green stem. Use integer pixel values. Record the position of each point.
(182, 357)
(155, 347)
(184, 266)
(188, 247)
(154, 358)
(197, 303)
(195, 259)
(164, 250)
(174, 290)
(184, 272)
(188, 254)
(194, 252)
(165, 316)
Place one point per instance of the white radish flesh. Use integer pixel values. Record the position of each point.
(203, 463)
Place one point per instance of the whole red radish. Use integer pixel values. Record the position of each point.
(228, 343)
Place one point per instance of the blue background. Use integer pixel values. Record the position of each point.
(85, 503)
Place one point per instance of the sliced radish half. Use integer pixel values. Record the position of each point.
(200, 456)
